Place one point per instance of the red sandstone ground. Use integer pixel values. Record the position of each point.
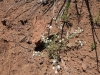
(18, 40)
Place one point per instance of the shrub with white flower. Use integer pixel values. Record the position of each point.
(54, 43)
(78, 31)
(56, 67)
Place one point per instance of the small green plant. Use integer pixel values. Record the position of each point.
(65, 16)
(52, 45)
(97, 18)
(93, 46)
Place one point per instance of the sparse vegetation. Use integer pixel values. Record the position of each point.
(97, 18)
(59, 39)
(64, 15)
(93, 46)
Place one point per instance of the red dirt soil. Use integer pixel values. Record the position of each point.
(18, 40)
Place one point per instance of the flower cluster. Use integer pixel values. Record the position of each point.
(36, 53)
(60, 27)
(56, 67)
(79, 30)
(71, 35)
(49, 26)
(80, 43)
(53, 43)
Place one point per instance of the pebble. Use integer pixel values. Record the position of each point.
(84, 66)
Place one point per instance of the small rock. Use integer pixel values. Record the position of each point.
(84, 67)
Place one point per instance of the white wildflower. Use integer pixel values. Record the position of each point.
(53, 67)
(56, 71)
(54, 18)
(59, 40)
(63, 39)
(33, 55)
(50, 27)
(45, 41)
(42, 36)
(80, 41)
(50, 40)
(54, 61)
(61, 24)
(81, 30)
(36, 52)
(81, 44)
(58, 66)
